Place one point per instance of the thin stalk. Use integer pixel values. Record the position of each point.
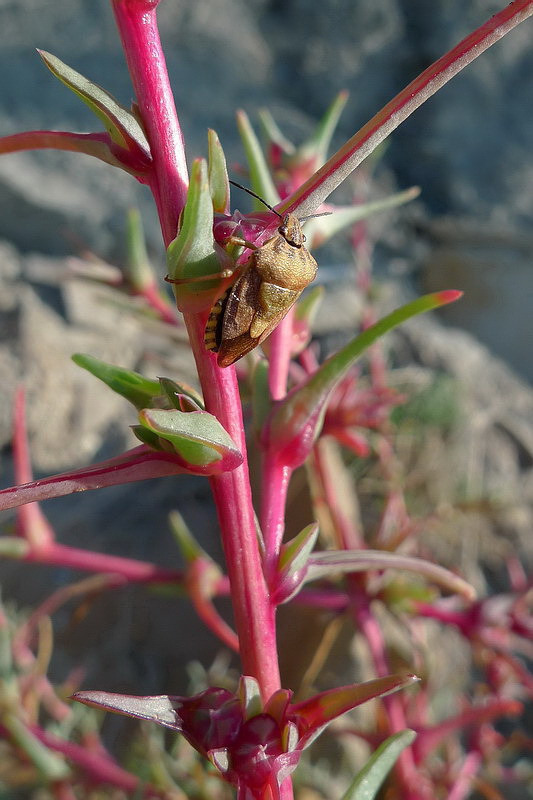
(253, 610)
(137, 25)
(280, 357)
(274, 485)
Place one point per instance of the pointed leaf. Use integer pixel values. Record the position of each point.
(120, 123)
(329, 562)
(189, 547)
(369, 780)
(307, 305)
(193, 257)
(98, 145)
(139, 269)
(173, 390)
(250, 696)
(273, 134)
(297, 420)
(295, 553)
(134, 387)
(292, 564)
(319, 230)
(198, 437)
(6, 654)
(314, 714)
(260, 176)
(162, 709)
(305, 312)
(139, 464)
(218, 173)
(318, 145)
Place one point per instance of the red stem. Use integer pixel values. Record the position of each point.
(32, 525)
(254, 613)
(274, 486)
(280, 342)
(137, 25)
(127, 569)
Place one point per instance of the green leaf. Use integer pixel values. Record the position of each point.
(317, 146)
(189, 547)
(198, 437)
(193, 257)
(122, 126)
(147, 437)
(260, 176)
(273, 134)
(134, 387)
(330, 562)
(295, 553)
(6, 656)
(218, 173)
(98, 145)
(292, 564)
(139, 269)
(297, 420)
(174, 390)
(305, 311)
(320, 229)
(368, 781)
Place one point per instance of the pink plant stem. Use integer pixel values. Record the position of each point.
(254, 613)
(32, 525)
(369, 627)
(97, 764)
(253, 610)
(274, 486)
(275, 476)
(463, 784)
(280, 357)
(126, 569)
(137, 25)
(350, 538)
(154, 299)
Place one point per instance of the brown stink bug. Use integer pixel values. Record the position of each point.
(267, 287)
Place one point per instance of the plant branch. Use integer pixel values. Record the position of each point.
(137, 26)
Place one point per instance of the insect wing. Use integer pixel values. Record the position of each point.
(251, 310)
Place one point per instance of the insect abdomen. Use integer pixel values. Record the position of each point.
(213, 328)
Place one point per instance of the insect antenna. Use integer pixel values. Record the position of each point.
(301, 219)
(245, 189)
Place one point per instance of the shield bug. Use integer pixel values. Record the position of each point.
(267, 287)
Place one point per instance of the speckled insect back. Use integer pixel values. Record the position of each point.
(272, 280)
